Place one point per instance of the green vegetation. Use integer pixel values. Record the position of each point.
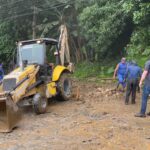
(139, 11)
(104, 27)
(97, 70)
(98, 30)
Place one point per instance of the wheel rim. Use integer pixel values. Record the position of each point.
(43, 103)
(39, 104)
(67, 87)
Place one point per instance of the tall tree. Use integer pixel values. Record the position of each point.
(106, 28)
(139, 11)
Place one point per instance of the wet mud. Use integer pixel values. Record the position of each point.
(94, 119)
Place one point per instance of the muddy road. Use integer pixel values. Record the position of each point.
(98, 120)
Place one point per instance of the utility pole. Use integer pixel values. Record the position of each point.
(34, 21)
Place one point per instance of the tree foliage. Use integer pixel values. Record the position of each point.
(103, 23)
(23, 19)
(140, 14)
(98, 29)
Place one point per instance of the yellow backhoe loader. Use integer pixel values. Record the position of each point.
(33, 82)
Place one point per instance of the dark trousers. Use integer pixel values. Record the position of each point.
(146, 92)
(131, 89)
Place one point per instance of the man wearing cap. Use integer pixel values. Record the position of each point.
(146, 90)
(120, 71)
(132, 75)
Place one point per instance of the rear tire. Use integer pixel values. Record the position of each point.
(65, 87)
(39, 103)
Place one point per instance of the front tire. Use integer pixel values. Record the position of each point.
(65, 87)
(39, 103)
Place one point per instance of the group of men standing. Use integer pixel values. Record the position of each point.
(130, 74)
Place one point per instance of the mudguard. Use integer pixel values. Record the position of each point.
(57, 72)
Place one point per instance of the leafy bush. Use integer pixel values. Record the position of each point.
(98, 70)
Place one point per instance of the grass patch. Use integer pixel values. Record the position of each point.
(102, 70)
(98, 70)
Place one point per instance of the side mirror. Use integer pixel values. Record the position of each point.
(25, 63)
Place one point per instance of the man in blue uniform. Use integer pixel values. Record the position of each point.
(120, 71)
(1, 73)
(146, 89)
(132, 75)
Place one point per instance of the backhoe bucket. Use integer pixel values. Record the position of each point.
(9, 114)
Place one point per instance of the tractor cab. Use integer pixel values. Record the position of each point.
(36, 51)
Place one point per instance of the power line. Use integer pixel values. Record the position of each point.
(27, 14)
(17, 1)
(5, 10)
(11, 3)
(37, 6)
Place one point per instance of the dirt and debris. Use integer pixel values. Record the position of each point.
(95, 119)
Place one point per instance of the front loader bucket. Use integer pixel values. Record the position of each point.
(9, 114)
